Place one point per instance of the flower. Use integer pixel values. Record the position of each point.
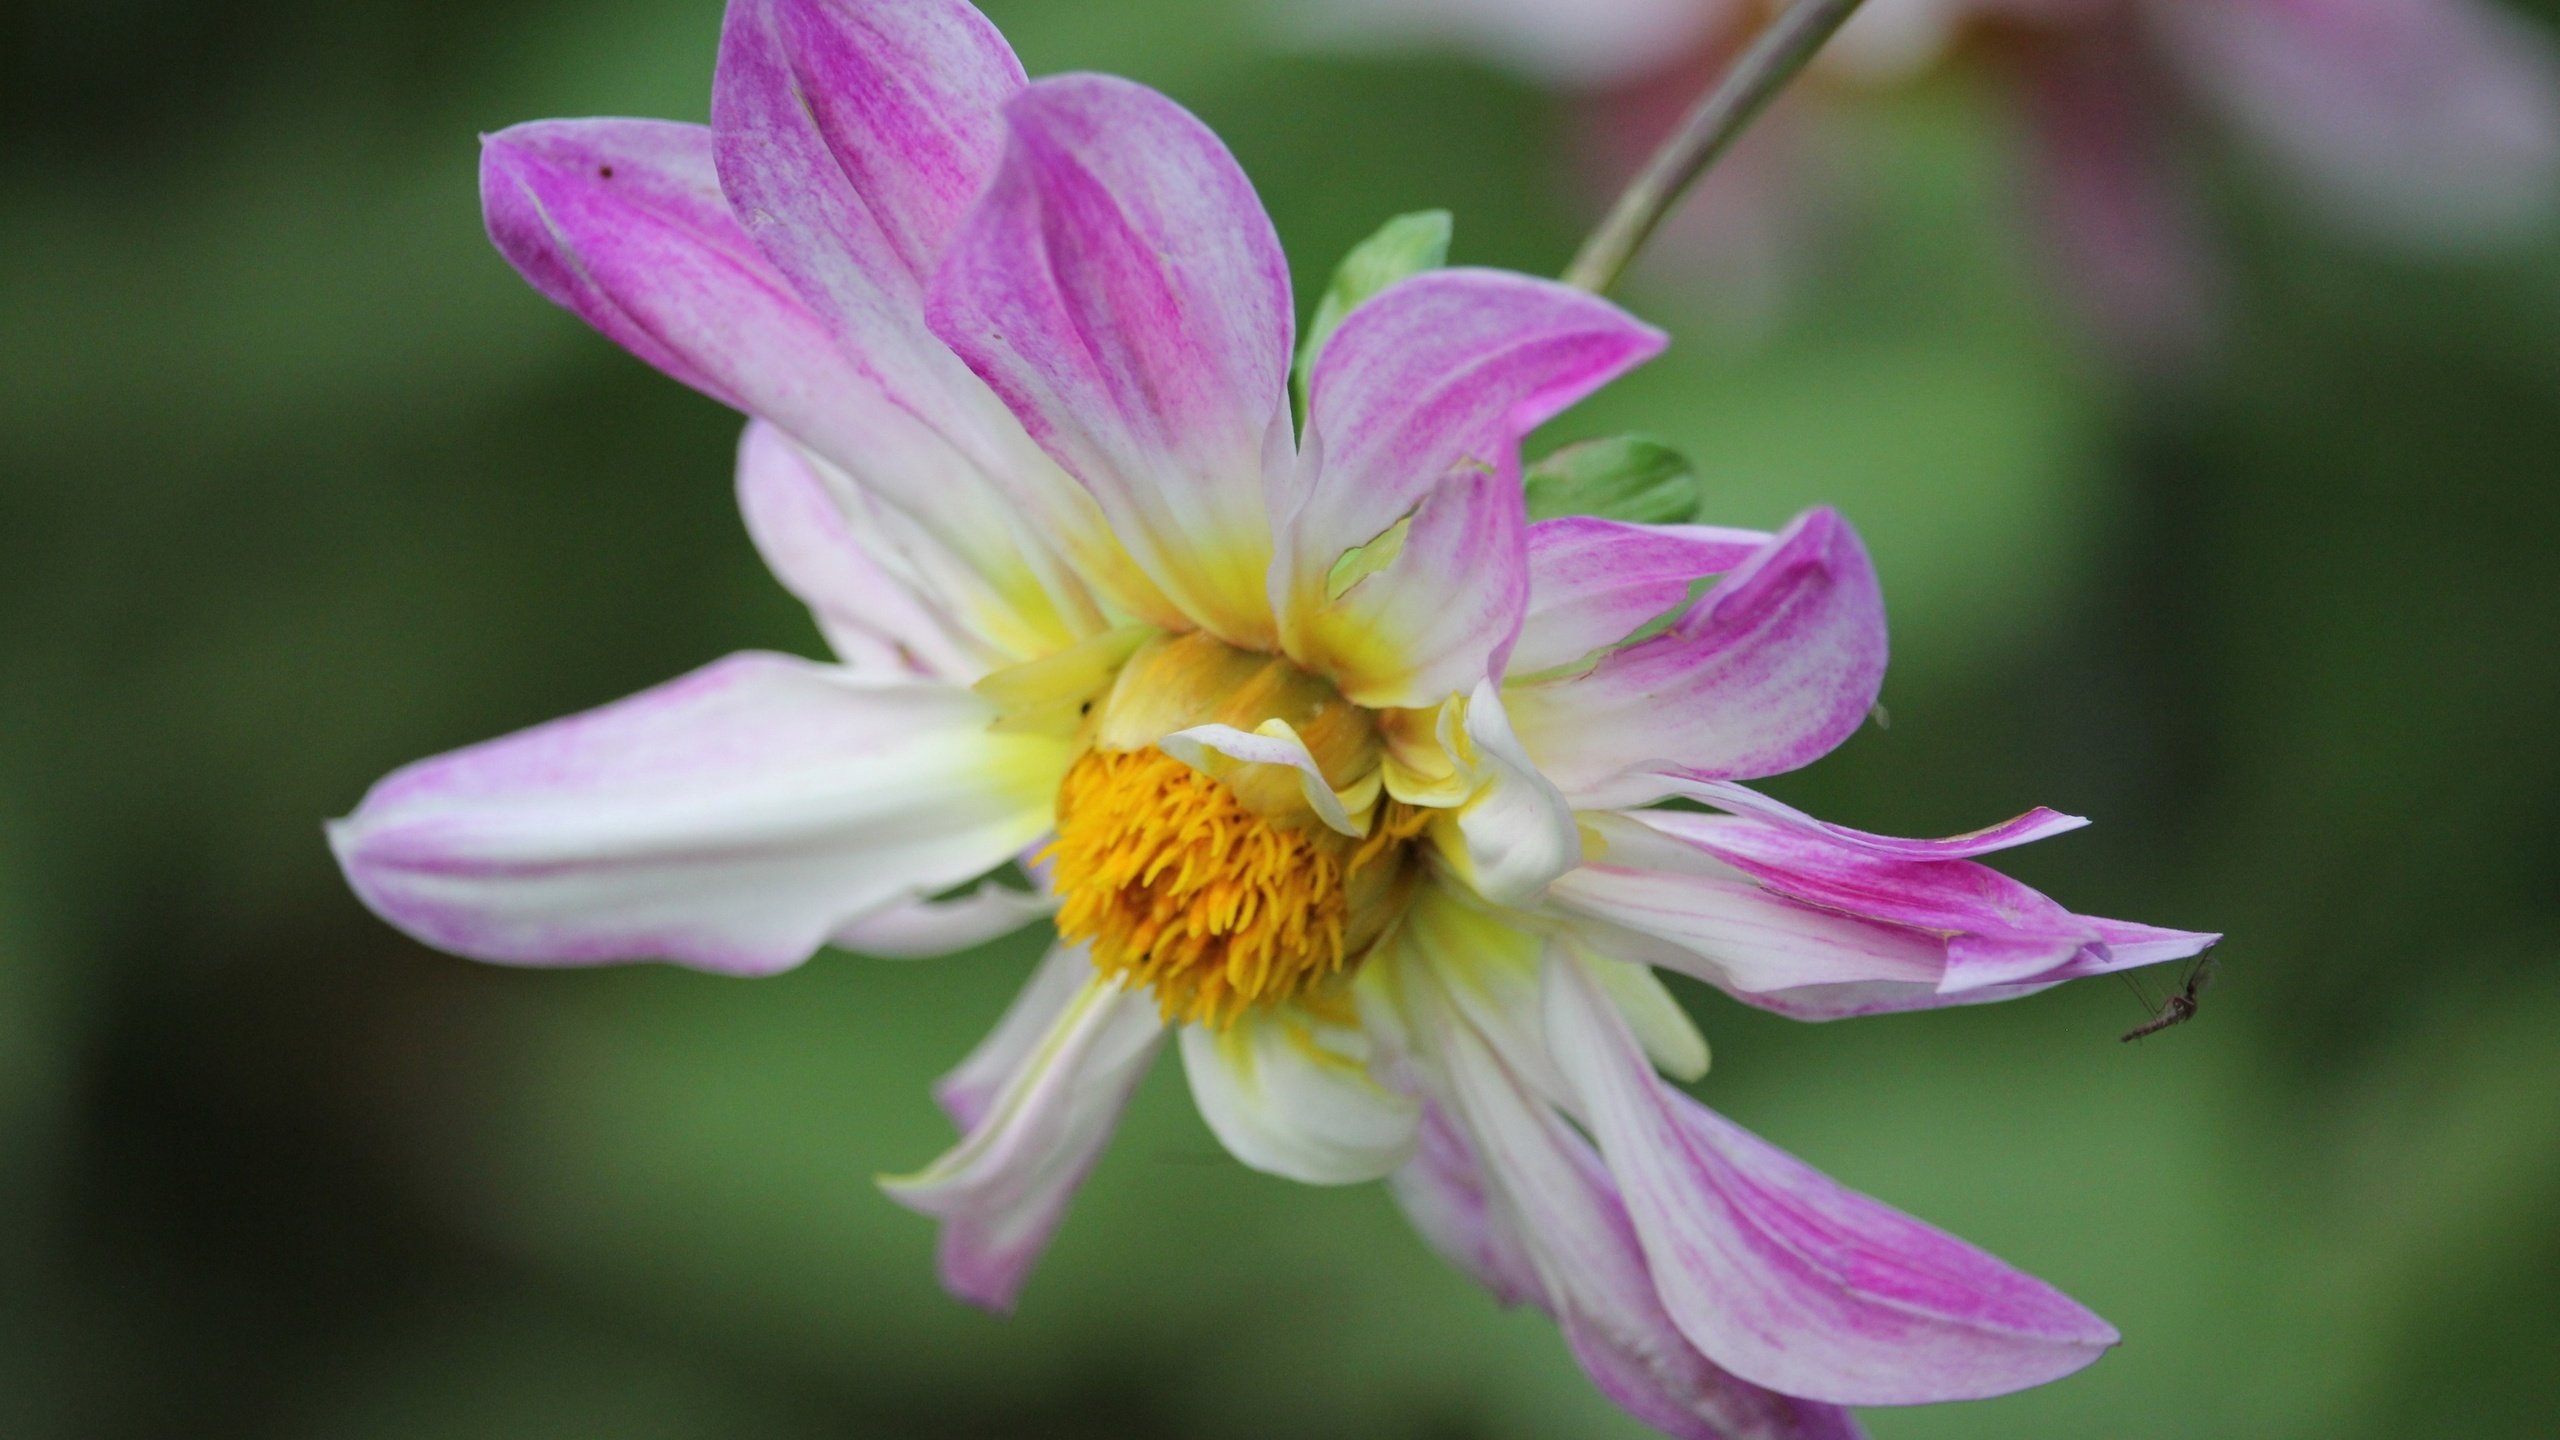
(1335, 768)
(2426, 125)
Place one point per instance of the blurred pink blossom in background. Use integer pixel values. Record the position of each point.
(2429, 127)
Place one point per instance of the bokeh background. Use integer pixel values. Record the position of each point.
(301, 483)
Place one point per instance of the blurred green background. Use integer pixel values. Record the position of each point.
(301, 483)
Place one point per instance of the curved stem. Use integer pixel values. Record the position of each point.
(1718, 119)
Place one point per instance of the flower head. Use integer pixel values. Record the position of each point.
(1333, 767)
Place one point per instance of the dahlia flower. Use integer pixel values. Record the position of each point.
(2426, 125)
(1335, 770)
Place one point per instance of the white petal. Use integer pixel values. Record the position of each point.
(805, 530)
(1220, 751)
(731, 820)
(1003, 1189)
(1292, 1095)
(970, 1090)
(1515, 834)
(919, 928)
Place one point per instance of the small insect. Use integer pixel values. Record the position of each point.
(2180, 1007)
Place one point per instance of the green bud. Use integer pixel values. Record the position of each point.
(1627, 477)
(1404, 246)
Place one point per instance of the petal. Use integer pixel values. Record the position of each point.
(2129, 946)
(1002, 1190)
(1593, 583)
(853, 137)
(1121, 288)
(1592, 1270)
(2036, 824)
(1483, 965)
(1437, 375)
(1514, 833)
(1232, 756)
(623, 222)
(851, 141)
(876, 622)
(731, 820)
(1782, 1276)
(1777, 665)
(1789, 918)
(1671, 1040)
(1663, 901)
(920, 928)
(969, 1092)
(2429, 122)
(1291, 1095)
(1997, 930)
(1440, 616)
(1443, 1191)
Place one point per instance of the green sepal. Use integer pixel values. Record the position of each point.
(1404, 246)
(1626, 477)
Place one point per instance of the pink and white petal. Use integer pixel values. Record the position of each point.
(1002, 1190)
(854, 137)
(1443, 1191)
(2001, 939)
(1671, 1040)
(1514, 834)
(922, 928)
(2430, 123)
(1778, 664)
(1785, 1278)
(1442, 614)
(623, 222)
(1998, 931)
(1440, 373)
(876, 622)
(1593, 583)
(2130, 946)
(1291, 1095)
(1252, 761)
(970, 1090)
(1120, 287)
(731, 820)
(851, 140)
(1711, 920)
(1592, 1271)
(2037, 824)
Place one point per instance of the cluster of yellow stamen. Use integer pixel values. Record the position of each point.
(1178, 886)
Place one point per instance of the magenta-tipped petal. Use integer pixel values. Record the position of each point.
(1786, 1278)
(1569, 1220)
(1593, 583)
(1438, 375)
(1778, 664)
(1120, 288)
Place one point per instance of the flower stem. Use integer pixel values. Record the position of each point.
(1718, 119)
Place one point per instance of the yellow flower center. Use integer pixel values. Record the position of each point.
(1223, 894)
